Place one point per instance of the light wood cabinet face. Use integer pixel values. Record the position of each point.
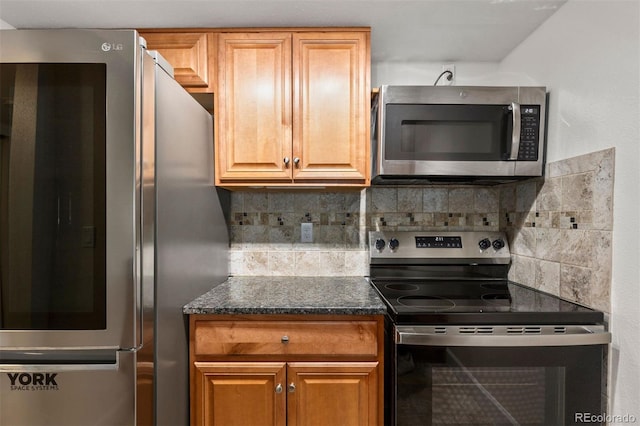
(322, 338)
(285, 369)
(339, 393)
(240, 394)
(293, 108)
(191, 54)
(330, 106)
(254, 106)
(298, 393)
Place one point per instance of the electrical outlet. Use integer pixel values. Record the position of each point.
(306, 232)
(445, 81)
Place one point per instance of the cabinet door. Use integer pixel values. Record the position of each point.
(331, 106)
(239, 394)
(191, 55)
(332, 393)
(254, 107)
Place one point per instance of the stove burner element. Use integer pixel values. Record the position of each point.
(498, 299)
(402, 287)
(430, 303)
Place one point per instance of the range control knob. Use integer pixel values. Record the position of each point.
(498, 244)
(484, 244)
(380, 243)
(393, 243)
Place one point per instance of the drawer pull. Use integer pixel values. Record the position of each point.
(285, 339)
(292, 387)
(279, 388)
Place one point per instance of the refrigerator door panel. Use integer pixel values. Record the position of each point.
(69, 394)
(191, 239)
(68, 227)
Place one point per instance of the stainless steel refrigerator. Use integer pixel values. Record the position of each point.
(109, 224)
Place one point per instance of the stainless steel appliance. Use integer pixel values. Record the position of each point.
(466, 346)
(457, 134)
(109, 224)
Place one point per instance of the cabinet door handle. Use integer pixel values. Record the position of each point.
(286, 161)
(292, 387)
(279, 388)
(285, 339)
(296, 161)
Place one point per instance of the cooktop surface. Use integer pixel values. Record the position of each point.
(472, 301)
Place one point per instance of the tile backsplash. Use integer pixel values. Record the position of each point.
(559, 227)
(265, 233)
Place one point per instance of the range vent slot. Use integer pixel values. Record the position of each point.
(475, 330)
(560, 330)
(524, 330)
(440, 330)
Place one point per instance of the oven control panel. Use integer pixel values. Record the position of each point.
(463, 247)
(435, 241)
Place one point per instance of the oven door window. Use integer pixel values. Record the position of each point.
(510, 386)
(52, 196)
(447, 132)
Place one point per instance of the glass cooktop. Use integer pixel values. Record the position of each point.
(472, 301)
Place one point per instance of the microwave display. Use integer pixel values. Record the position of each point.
(529, 133)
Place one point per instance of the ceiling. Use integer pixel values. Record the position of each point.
(402, 30)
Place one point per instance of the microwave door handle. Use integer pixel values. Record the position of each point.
(515, 136)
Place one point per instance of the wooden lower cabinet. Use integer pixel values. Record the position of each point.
(332, 393)
(240, 393)
(278, 394)
(245, 379)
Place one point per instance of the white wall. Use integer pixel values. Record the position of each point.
(588, 55)
(426, 73)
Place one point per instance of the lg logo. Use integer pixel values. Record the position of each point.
(107, 47)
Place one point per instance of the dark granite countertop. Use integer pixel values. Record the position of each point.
(290, 295)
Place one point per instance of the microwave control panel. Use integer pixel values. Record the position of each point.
(529, 132)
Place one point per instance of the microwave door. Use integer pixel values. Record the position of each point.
(447, 132)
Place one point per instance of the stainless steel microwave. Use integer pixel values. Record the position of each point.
(457, 134)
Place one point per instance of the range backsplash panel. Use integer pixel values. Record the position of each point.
(559, 227)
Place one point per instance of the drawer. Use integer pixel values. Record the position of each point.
(328, 338)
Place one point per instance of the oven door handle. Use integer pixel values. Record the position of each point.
(502, 336)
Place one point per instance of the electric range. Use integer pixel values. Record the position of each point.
(464, 345)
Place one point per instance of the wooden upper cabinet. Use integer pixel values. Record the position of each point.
(191, 54)
(293, 108)
(331, 106)
(254, 107)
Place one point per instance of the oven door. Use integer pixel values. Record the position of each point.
(449, 376)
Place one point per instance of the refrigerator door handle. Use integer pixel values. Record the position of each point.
(59, 360)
